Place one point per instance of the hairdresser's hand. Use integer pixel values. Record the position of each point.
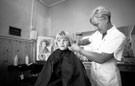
(75, 47)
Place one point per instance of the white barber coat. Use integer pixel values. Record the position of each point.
(107, 74)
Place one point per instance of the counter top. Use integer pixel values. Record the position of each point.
(127, 65)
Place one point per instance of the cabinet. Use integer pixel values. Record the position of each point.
(127, 74)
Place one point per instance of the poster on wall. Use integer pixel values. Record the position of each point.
(44, 48)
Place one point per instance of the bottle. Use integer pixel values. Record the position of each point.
(26, 60)
(16, 60)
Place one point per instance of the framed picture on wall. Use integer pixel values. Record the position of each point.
(44, 48)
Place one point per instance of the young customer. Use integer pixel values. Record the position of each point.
(63, 67)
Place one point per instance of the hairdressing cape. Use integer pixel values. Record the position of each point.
(63, 68)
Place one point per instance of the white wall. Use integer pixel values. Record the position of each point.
(41, 19)
(73, 15)
(17, 13)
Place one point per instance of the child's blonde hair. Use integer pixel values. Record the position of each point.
(64, 34)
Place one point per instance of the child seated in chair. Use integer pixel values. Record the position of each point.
(63, 67)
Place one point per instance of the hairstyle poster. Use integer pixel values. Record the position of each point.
(44, 48)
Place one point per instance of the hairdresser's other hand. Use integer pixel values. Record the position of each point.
(75, 47)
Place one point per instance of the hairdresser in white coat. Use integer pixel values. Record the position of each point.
(106, 48)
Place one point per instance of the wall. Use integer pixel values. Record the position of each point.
(23, 14)
(10, 47)
(73, 15)
(41, 19)
(15, 13)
